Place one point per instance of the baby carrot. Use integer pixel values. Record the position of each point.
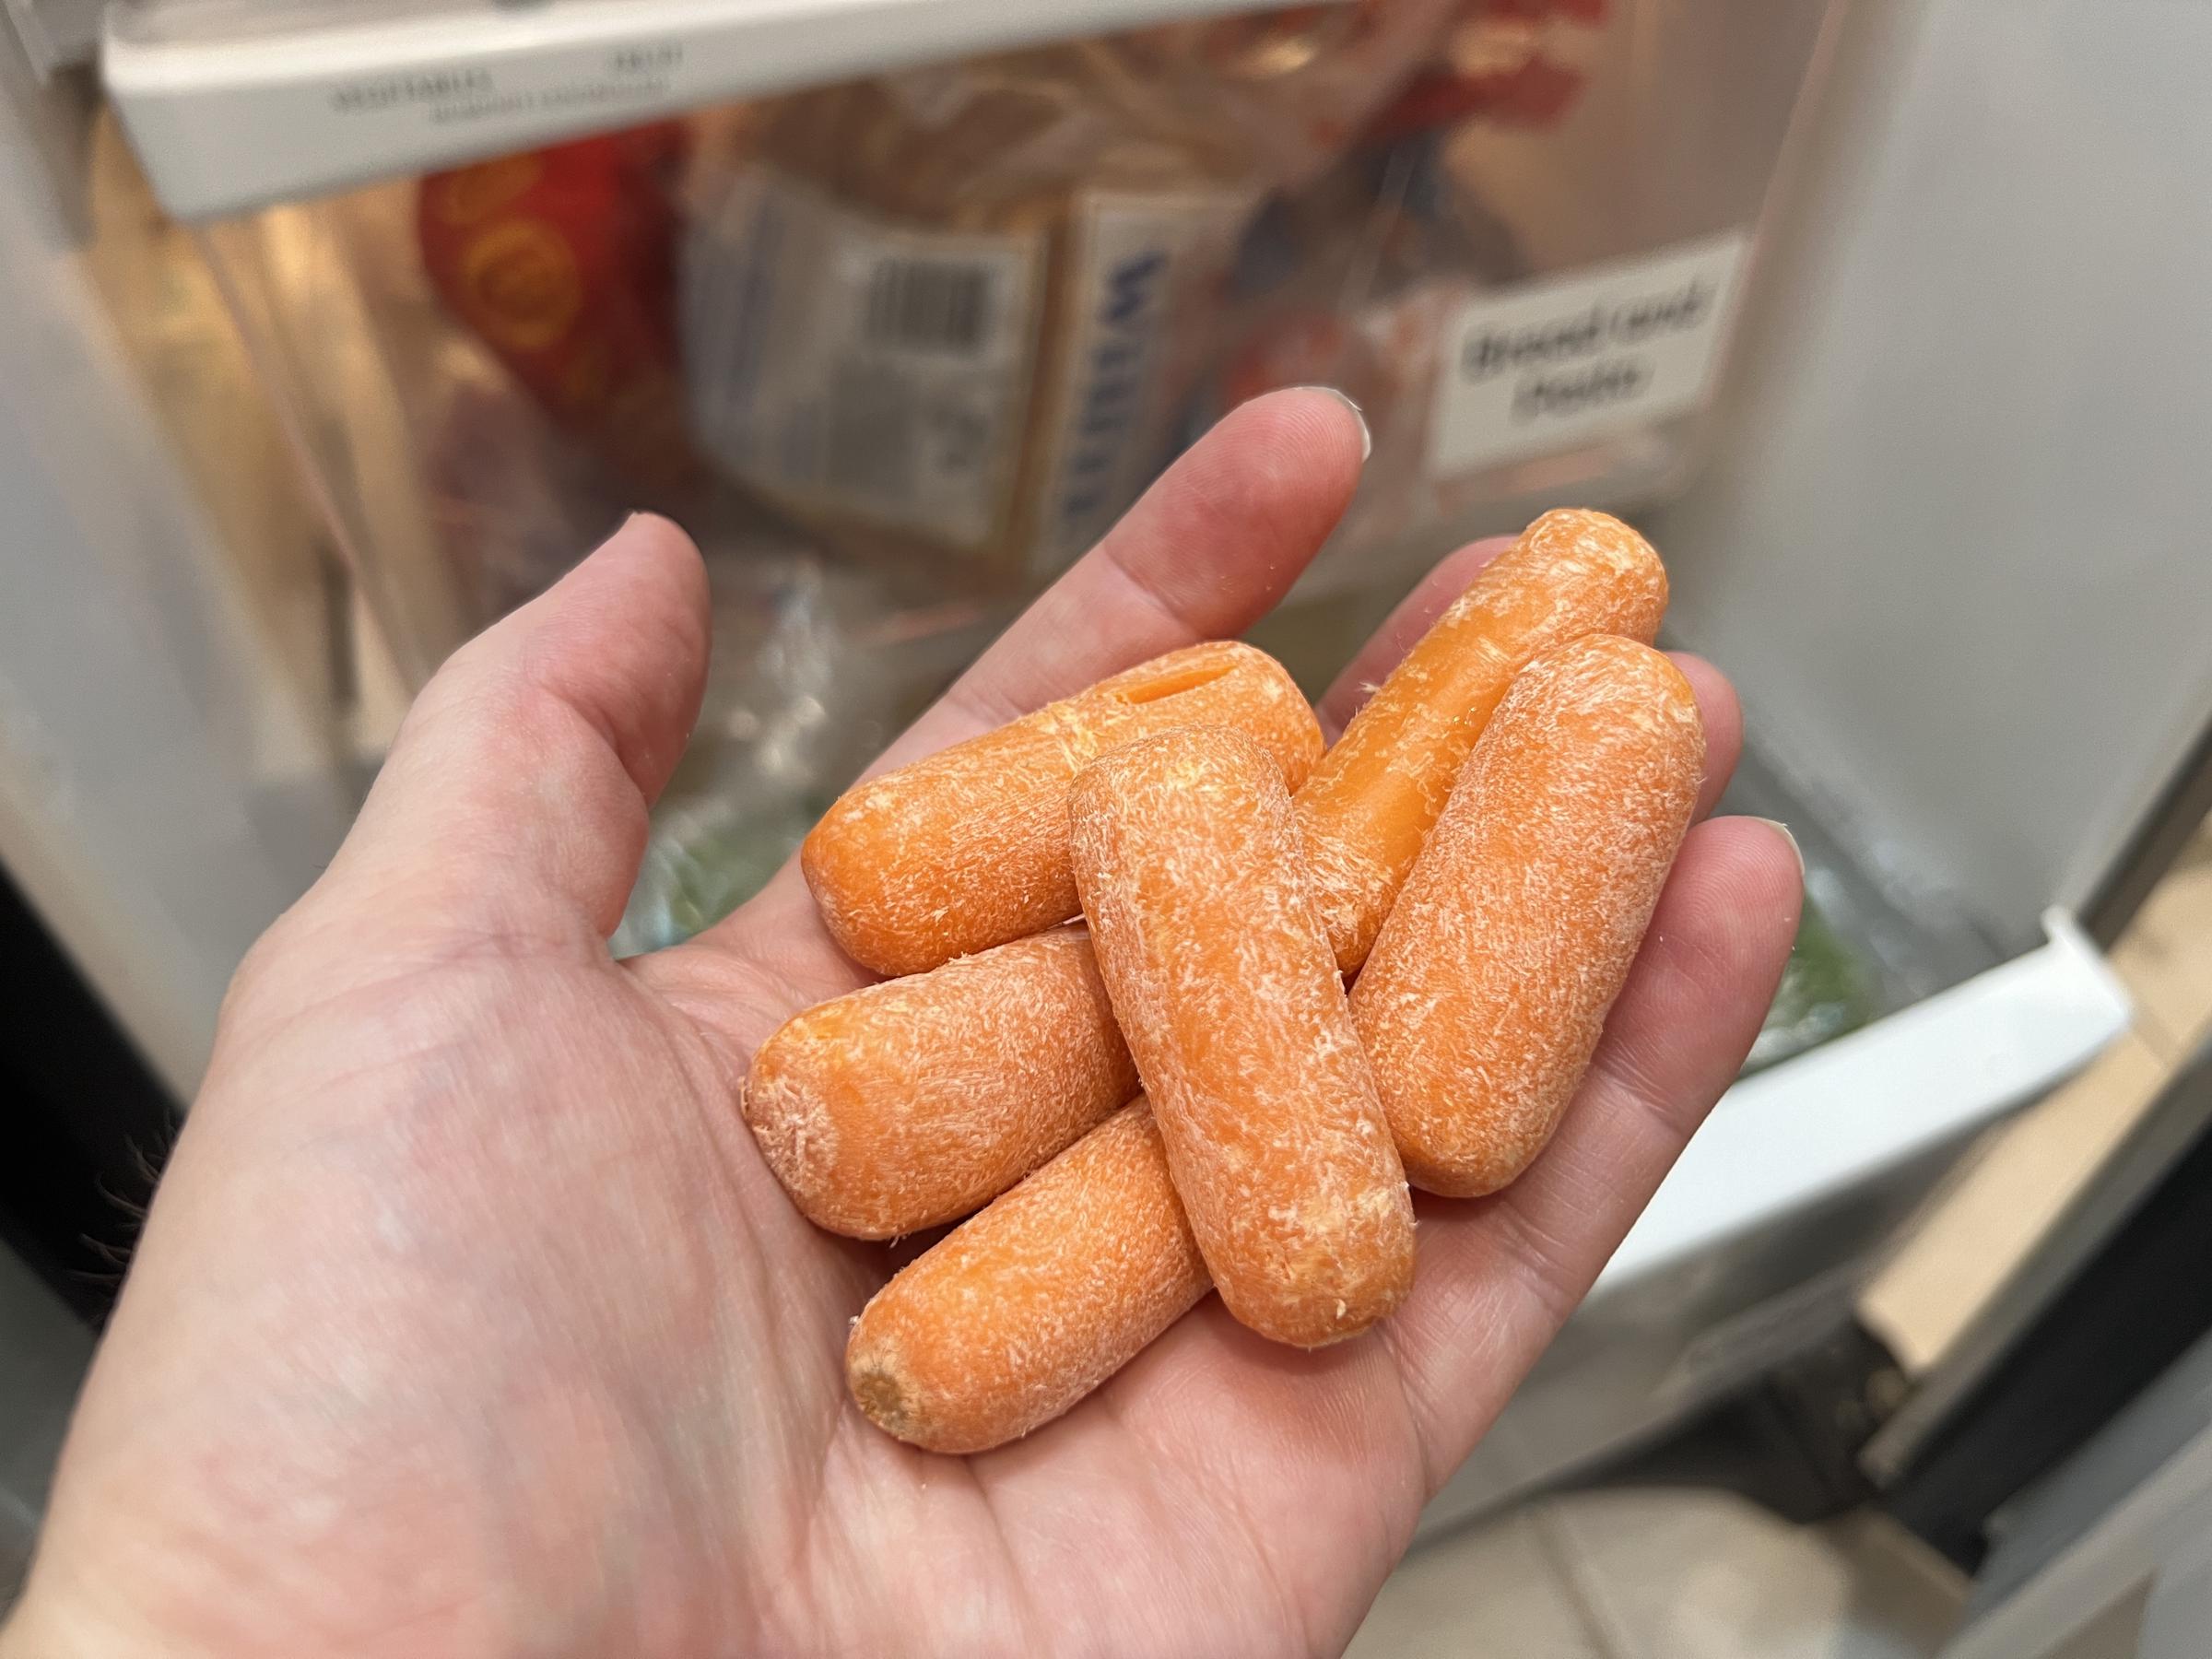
(1021, 1311)
(919, 1099)
(1188, 860)
(1482, 1001)
(1370, 803)
(968, 847)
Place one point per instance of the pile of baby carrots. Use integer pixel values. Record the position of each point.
(1162, 883)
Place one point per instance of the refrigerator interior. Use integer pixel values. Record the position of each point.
(480, 370)
(1950, 549)
(169, 773)
(895, 351)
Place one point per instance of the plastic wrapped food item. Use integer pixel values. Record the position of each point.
(1351, 283)
(508, 525)
(1357, 279)
(959, 309)
(816, 666)
(1825, 991)
(1302, 84)
(952, 319)
(563, 261)
(946, 313)
(1507, 61)
(1526, 266)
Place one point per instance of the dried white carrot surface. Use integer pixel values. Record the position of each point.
(968, 847)
(921, 1099)
(1482, 1001)
(1195, 885)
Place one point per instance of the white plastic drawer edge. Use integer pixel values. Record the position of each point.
(224, 124)
(1842, 1114)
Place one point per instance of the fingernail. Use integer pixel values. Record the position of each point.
(1367, 439)
(1796, 851)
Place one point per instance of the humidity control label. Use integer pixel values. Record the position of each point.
(1548, 365)
(554, 86)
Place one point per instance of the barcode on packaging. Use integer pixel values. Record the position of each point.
(929, 305)
(855, 366)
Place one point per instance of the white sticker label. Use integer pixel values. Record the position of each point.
(1139, 261)
(855, 366)
(1549, 365)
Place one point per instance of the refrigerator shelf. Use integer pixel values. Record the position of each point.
(235, 106)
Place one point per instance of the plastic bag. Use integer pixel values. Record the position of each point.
(958, 310)
(1355, 280)
(563, 261)
(815, 668)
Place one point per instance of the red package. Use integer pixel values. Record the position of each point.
(563, 262)
(1496, 66)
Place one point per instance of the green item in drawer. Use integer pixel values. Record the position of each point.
(1826, 991)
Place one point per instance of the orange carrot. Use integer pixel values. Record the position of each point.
(919, 1099)
(1187, 857)
(1378, 790)
(1369, 805)
(1482, 1001)
(1030, 1304)
(968, 848)
(1021, 1311)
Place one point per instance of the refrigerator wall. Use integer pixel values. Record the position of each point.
(1952, 541)
(167, 779)
(1950, 545)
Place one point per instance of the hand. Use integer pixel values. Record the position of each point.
(467, 1320)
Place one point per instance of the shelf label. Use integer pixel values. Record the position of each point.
(559, 86)
(1551, 364)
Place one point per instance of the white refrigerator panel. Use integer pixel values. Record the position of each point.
(1806, 1131)
(231, 111)
(164, 792)
(1953, 543)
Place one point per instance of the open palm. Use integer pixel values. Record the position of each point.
(467, 1320)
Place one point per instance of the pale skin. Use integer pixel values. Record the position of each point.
(468, 1321)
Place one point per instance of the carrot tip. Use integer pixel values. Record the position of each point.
(882, 1396)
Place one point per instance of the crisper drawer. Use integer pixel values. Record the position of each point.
(1758, 1241)
(896, 333)
(937, 296)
